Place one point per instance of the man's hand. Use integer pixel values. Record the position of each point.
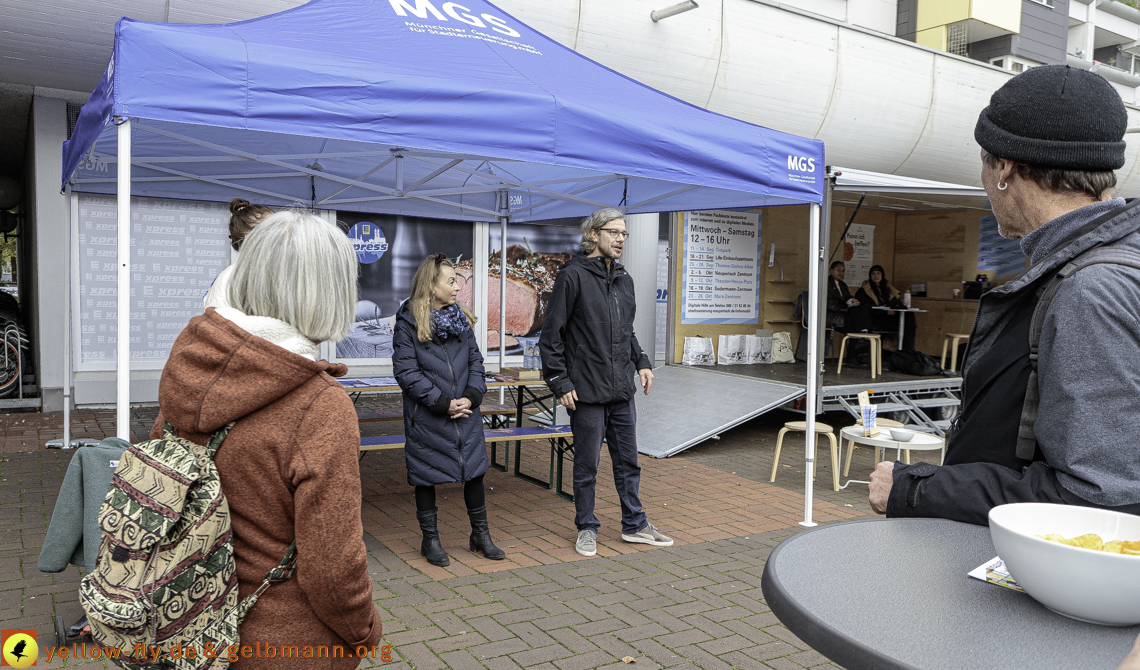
(568, 400)
(459, 409)
(881, 481)
(646, 379)
(853, 303)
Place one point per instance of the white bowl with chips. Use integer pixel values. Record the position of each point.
(1085, 584)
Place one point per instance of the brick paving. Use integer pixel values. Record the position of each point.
(694, 605)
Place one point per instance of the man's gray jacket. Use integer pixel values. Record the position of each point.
(1088, 420)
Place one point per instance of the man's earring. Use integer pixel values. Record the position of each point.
(1002, 187)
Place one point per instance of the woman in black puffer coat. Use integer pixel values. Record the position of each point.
(440, 370)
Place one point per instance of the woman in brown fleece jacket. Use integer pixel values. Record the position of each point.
(289, 467)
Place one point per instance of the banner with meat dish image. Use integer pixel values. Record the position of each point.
(535, 254)
(385, 283)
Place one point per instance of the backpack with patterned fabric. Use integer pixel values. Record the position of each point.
(165, 577)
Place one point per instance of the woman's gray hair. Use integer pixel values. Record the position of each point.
(299, 269)
(594, 222)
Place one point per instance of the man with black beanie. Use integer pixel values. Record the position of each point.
(1057, 425)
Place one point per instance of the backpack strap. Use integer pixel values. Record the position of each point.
(216, 439)
(1026, 439)
(282, 573)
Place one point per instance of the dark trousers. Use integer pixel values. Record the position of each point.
(616, 422)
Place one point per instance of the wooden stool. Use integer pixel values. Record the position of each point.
(952, 339)
(820, 429)
(876, 351)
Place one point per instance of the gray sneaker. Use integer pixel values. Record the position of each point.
(649, 535)
(587, 543)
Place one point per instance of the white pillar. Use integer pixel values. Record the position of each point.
(502, 292)
(503, 303)
(479, 281)
(640, 261)
(816, 250)
(1090, 30)
(123, 291)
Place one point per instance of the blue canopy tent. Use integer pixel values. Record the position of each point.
(413, 107)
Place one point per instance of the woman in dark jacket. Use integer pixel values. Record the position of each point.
(878, 292)
(440, 370)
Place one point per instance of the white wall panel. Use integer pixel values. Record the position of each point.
(777, 68)
(880, 84)
(877, 15)
(678, 55)
(832, 9)
(947, 151)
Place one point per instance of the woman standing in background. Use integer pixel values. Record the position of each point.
(439, 367)
(243, 217)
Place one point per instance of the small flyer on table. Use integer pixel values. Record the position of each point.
(994, 572)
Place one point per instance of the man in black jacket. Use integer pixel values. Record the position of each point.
(844, 313)
(589, 359)
(1050, 382)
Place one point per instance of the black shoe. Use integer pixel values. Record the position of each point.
(481, 535)
(431, 548)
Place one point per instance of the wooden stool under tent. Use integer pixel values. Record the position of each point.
(876, 351)
(820, 429)
(952, 340)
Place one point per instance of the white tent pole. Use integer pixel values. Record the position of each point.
(503, 299)
(813, 340)
(67, 336)
(123, 291)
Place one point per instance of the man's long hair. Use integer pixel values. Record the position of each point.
(593, 223)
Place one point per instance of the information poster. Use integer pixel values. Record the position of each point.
(720, 278)
(178, 247)
(859, 253)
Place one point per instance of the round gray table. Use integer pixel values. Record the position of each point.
(893, 593)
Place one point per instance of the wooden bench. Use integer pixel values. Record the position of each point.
(495, 416)
(559, 448)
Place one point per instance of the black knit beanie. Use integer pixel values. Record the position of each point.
(1055, 116)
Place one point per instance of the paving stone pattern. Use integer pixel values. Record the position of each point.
(697, 604)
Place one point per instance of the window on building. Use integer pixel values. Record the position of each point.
(1047, 3)
(998, 62)
(1130, 62)
(957, 39)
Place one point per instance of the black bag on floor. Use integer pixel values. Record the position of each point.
(914, 363)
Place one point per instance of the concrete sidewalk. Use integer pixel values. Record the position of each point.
(696, 604)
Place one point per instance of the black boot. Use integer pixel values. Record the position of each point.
(481, 535)
(431, 548)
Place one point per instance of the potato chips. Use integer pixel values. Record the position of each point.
(1094, 542)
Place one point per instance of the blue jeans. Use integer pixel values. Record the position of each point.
(617, 423)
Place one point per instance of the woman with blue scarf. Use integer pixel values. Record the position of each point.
(439, 367)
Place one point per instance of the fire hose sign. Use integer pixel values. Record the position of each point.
(368, 241)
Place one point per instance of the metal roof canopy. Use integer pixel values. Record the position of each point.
(900, 194)
(396, 107)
